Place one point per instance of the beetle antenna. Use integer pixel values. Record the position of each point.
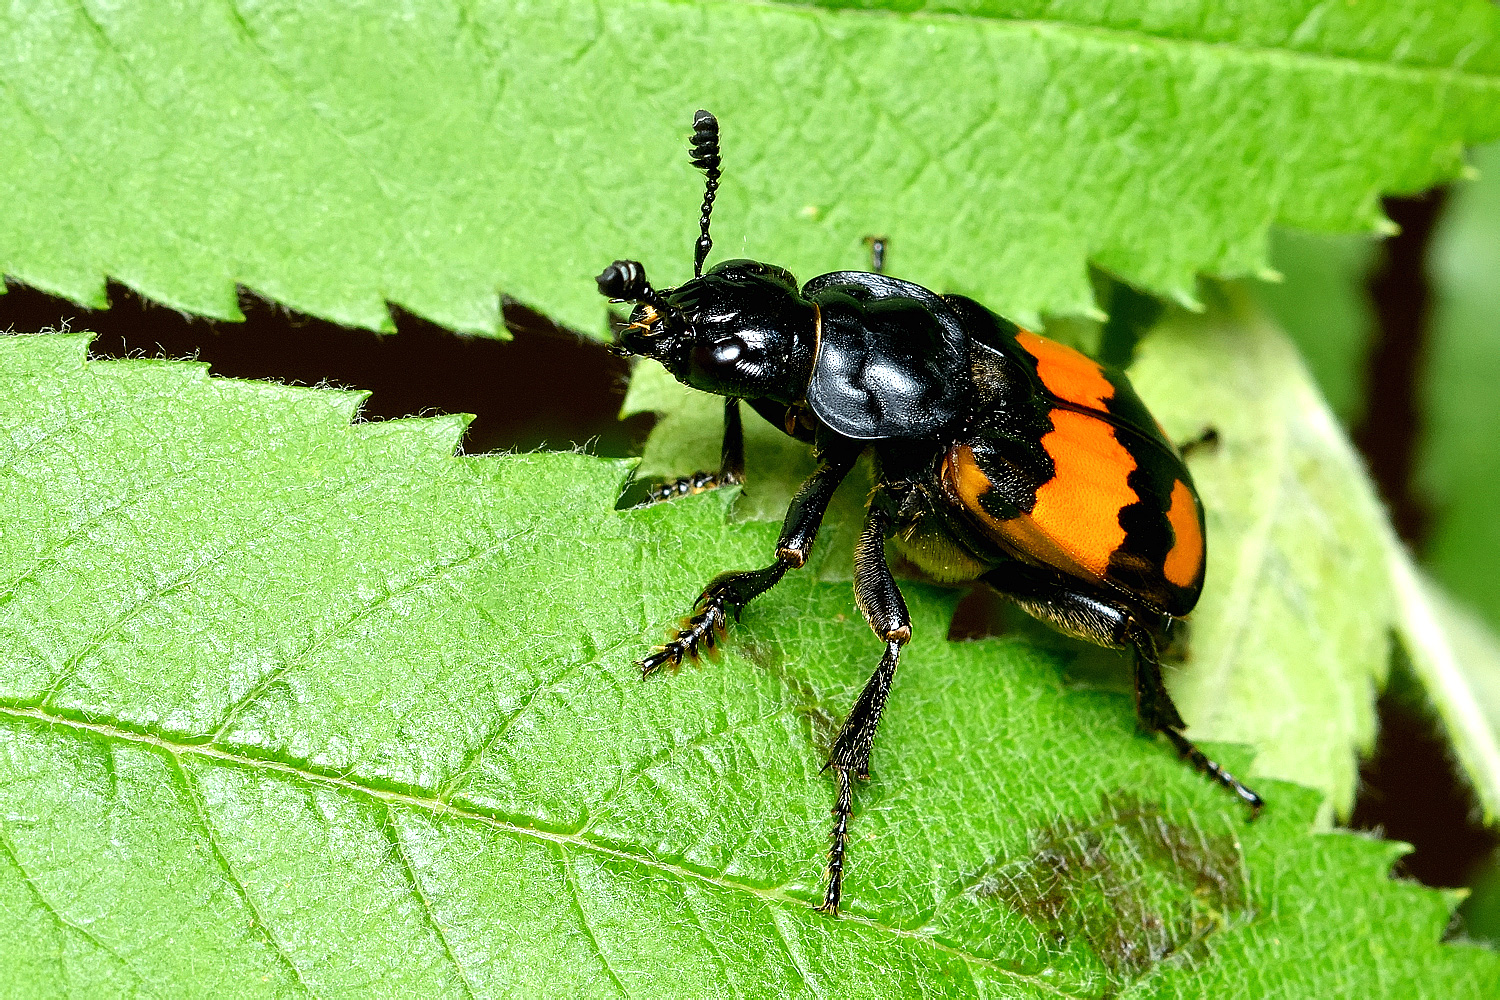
(704, 152)
(625, 281)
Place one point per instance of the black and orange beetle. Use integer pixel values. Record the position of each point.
(1001, 456)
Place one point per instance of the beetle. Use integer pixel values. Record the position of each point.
(1001, 456)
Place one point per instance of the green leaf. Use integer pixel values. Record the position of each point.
(1323, 303)
(1460, 464)
(337, 157)
(290, 705)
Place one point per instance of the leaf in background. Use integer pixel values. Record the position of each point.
(290, 706)
(337, 157)
(1290, 640)
(1461, 454)
(1323, 304)
(1455, 658)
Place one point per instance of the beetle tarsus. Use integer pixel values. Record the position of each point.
(698, 482)
(698, 634)
(1190, 753)
(731, 462)
(726, 595)
(850, 757)
(1155, 707)
(842, 809)
(880, 600)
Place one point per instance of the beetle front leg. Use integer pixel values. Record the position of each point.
(731, 461)
(880, 599)
(728, 593)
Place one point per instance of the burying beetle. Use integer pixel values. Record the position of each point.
(1001, 456)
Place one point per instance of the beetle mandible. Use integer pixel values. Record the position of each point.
(1001, 456)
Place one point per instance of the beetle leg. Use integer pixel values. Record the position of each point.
(731, 462)
(728, 593)
(880, 599)
(732, 451)
(1206, 439)
(1071, 608)
(1155, 708)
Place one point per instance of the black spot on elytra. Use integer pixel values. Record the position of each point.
(1133, 886)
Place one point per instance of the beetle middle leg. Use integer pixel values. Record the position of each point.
(731, 462)
(728, 593)
(1102, 619)
(880, 599)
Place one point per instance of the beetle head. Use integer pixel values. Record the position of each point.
(743, 329)
(740, 330)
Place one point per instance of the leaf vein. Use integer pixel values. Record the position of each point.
(461, 774)
(433, 572)
(62, 921)
(261, 926)
(793, 955)
(53, 552)
(632, 777)
(393, 831)
(775, 897)
(177, 581)
(570, 880)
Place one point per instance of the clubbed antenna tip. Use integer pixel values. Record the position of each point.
(705, 143)
(625, 280)
(703, 151)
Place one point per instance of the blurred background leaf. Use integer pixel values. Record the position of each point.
(1460, 467)
(1323, 304)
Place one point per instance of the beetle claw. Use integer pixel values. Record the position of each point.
(658, 659)
(695, 636)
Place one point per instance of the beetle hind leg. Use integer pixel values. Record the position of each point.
(1100, 619)
(1155, 707)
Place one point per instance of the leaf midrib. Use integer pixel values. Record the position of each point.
(1127, 37)
(771, 897)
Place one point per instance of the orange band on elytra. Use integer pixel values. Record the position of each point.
(1067, 374)
(1186, 555)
